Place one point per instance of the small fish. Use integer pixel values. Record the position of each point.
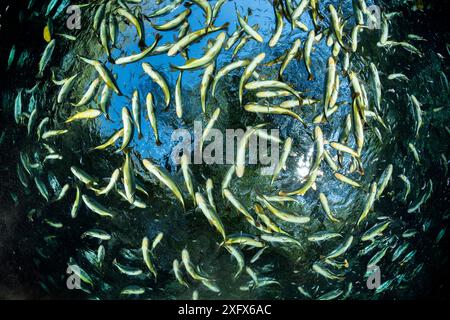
(206, 81)
(207, 58)
(248, 73)
(128, 128)
(46, 57)
(326, 207)
(136, 110)
(210, 214)
(177, 272)
(178, 96)
(87, 114)
(139, 56)
(187, 174)
(248, 29)
(307, 49)
(96, 233)
(129, 180)
(146, 257)
(282, 162)
(159, 79)
(164, 178)
(118, 134)
(104, 73)
(376, 230)
(341, 249)
(323, 235)
(96, 207)
(152, 117)
(369, 203)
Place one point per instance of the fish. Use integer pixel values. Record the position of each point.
(146, 256)
(209, 127)
(250, 68)
(132, 290)
(330, 84)
(325, 272)
(210, 214)
(323, 236)
(237, 254)
(341, 249)
(414, 152)
(104, 73)
(178, 96)
(293, 52)
(136, 111)
(336, 27)
(307, 49)
(139, 56)
(225, 70)
(112, 182)
(374, 231)
(67, 86)
(192, 37)
(118, 134)
(128, 129)
(238, 205)
(89, 95)
(384, 180)
(282, 162)
(248, 29)
(87, 114)
(177, 272)
(227, 179)
(185, 257)
(187, 176)
(326, 208)
(206, 81)
(347, 180)
(272, 84)
(245, 240)
(152, 117)
(241, 150)
(164, 178)
(207, 9)
(129, 271)
(129, 180)
(280, 239)
(134, 21)
(158, 79)
(283, 215)
(96, 233)
(76, 204)
(207, 58)
(417, 113)
(96, 207)
(174, 22)
(46, 57)
(369, 203)
(278, 26)
(166, 9)
(257, 108)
